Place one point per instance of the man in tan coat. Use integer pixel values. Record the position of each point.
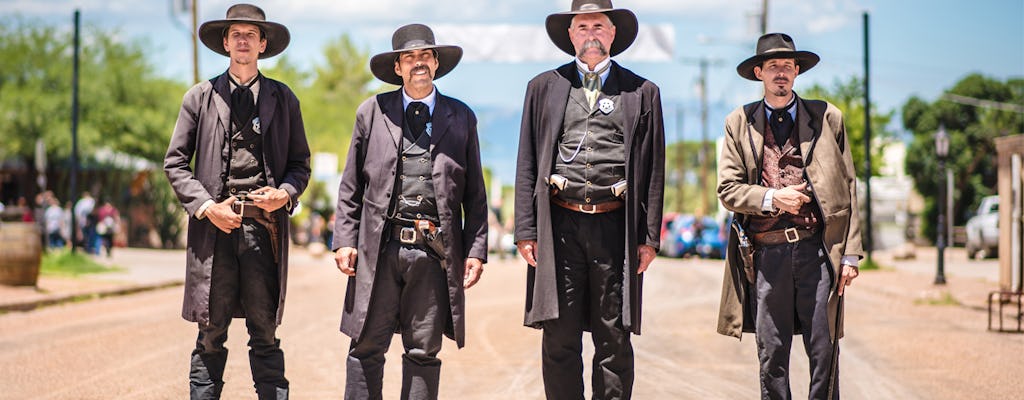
(787, 174)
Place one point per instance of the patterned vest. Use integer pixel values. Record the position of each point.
(781, 167)
(416, 189)
(244, 156)
(591, 153)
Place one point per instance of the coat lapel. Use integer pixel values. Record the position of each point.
(391, 106)
(556, 102)
(439, 120)
(804, 130)
(222, 100)
(267, 103)
(758, 122)
(629, 104)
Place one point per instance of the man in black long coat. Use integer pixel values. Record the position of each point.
(411, 228)
(589, 188)
(251, 163)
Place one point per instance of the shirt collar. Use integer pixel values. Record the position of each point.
(429, 100)
(583, 67)
(254, 84)
(792, 110)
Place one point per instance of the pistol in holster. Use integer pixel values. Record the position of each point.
(433, 238)
(746, 249)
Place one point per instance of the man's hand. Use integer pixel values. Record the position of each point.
(345, 258)
(528, 250)
(646, 254)
(846, 277)
(268, 198)
(790, 198)
(221, 215)
(474, 269)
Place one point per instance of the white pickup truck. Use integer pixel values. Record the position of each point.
(983, 229)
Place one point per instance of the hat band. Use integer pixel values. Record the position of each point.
(415, 43)
(777, 49)
(589, 7)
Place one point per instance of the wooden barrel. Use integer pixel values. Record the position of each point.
(20, 253)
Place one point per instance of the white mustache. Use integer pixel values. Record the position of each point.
(593, 44)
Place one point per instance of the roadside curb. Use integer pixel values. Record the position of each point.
(99, 294)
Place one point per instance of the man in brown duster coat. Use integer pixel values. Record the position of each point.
(787, 173)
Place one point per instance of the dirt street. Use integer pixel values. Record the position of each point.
(899, 344)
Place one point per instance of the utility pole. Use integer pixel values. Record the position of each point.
(195, 41)
(680, 163)
(868, 237)
(704, 158)
(74, 132)
(764, 17)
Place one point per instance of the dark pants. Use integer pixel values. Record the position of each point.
(410, 292)
(244, 275)
(793, 284)
(589, 256)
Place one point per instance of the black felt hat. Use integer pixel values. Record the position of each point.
(212, 32)
(776, 45)
(626, 25)
(413, 37)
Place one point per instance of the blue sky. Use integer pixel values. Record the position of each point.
(919, 47)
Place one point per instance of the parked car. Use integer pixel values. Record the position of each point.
(683, 235)
(713, 238)
(983, 229)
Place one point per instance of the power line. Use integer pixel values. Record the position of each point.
(971, 101)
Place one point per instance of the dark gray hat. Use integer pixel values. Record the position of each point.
(408, 38)
(212, 32)
(626, 25)
(776, 45)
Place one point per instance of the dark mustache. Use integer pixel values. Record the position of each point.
(593, 44)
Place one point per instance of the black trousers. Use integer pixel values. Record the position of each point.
(410, 292)
(244, 275)
(793, 284)
(589, 256)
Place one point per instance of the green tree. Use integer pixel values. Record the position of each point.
(972, 148)
(849, 98)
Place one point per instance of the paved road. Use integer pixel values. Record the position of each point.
(137, 346)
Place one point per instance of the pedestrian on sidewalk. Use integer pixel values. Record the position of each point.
(411, 220)
(54, 222)
(108, 221)
(591, 161)
(246, 134)
(787, 173)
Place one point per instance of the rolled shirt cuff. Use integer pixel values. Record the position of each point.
(201, 212)
(766, 204)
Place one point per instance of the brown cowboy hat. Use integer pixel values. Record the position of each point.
(408, 38)
(212, 32)
(625, 22)
(776, 45)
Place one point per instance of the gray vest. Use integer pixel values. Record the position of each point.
(591, 152)
(244, 152)
(416, 189)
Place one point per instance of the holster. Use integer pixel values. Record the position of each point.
(433, 238)
(269, 221)
(746, 250)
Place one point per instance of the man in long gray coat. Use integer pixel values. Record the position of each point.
(413, 173)
(589, 190)
(251, 164)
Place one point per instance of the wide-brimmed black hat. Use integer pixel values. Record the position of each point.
(776, 45)
(212, 32)
(625, 22)
(408, 38)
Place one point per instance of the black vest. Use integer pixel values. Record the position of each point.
(243, 154)
(416, 189)
(591, 152)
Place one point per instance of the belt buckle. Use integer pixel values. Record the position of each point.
(796, 235)
(407, 235)
(583, 208)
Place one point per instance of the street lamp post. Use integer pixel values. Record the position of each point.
(941, 150)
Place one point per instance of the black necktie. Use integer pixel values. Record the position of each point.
(417, 114)
(781, 122)
(243, 106)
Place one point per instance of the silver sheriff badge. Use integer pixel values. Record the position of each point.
(606, 106)
(256, 125)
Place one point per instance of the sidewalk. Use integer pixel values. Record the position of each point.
(141, 269)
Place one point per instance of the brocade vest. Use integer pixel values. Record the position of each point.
(781, 167)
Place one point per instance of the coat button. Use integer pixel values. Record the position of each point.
(252, 146)
(233, 190)
(422, 178)
(401, 177)
(420, 198)
(588, 200)
(404, 158)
